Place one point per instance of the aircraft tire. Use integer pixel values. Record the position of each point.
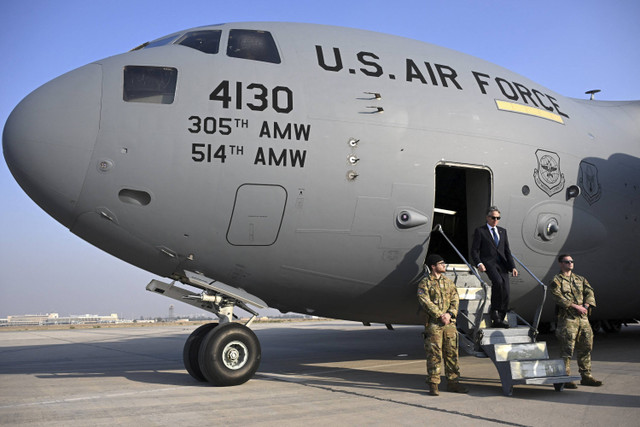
(192, 349)
(229, 355)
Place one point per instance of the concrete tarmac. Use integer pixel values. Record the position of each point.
(312, 373)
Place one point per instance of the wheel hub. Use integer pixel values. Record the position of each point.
(235, 355)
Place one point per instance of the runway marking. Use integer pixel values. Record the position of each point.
(300, 378)
(85, 398)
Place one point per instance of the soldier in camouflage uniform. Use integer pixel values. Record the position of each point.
(439, 298)
(574, 297)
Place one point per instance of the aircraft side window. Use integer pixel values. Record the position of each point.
(155, 85)
(207, 41)
(254, 45)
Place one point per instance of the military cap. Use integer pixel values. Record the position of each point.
(433, 259)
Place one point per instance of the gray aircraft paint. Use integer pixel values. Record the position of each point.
(287, 180)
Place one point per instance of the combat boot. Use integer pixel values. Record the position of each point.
(456, 387)
(433, 389)
(567, 368)
(590, 381)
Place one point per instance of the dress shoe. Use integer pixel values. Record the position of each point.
(499, 324)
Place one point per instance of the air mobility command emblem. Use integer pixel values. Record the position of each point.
(547, 175)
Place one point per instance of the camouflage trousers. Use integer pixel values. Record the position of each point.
(441, 342)
(576, 333)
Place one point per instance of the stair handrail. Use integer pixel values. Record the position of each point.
(485, 287)
(538, 315)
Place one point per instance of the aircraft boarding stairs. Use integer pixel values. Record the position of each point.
(518, 357)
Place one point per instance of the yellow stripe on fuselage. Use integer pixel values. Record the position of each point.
(531, 111)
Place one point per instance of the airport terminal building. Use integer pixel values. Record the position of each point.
(55, 319)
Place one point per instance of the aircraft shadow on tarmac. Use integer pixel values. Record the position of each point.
(335, 359)
(318, 367)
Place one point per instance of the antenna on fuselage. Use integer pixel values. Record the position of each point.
(592, 93)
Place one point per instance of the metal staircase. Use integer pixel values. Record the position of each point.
(518, 357)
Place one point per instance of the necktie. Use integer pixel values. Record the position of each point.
(495, 236)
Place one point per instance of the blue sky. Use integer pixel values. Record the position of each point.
(567, 46)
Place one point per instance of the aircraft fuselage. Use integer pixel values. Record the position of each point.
(286, 175)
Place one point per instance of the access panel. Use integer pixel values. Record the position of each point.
(257, 215)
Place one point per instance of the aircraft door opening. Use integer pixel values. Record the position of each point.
(462, 195)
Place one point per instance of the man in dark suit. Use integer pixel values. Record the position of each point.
(491, 254)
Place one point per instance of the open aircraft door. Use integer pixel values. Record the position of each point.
(462, 196)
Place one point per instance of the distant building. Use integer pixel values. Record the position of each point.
(94, 318)
(55, 319)
(32, 319)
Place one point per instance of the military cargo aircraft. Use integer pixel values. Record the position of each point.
(303, 167)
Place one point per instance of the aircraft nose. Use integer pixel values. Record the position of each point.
(49, 138)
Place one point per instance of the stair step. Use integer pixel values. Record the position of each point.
(521, 369)
(473, 293)
(552, 380)
(512, 319)
(505, 336)
(472, 306)
(472, 303)
(510, 332)
(497, 339)
(461, 276)
(464, 281)
(527, 351)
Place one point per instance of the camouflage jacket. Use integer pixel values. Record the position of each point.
(571, 290)
(438, 296)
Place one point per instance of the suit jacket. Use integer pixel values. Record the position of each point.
(485, 251)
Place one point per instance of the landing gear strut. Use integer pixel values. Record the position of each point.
(223, 353)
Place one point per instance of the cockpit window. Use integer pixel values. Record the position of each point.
(160, 42)
(155, 85)
(207, 41)
(252, 44)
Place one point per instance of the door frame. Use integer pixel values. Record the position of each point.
(463, 192)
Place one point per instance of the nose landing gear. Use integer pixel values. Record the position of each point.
(223, 353)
